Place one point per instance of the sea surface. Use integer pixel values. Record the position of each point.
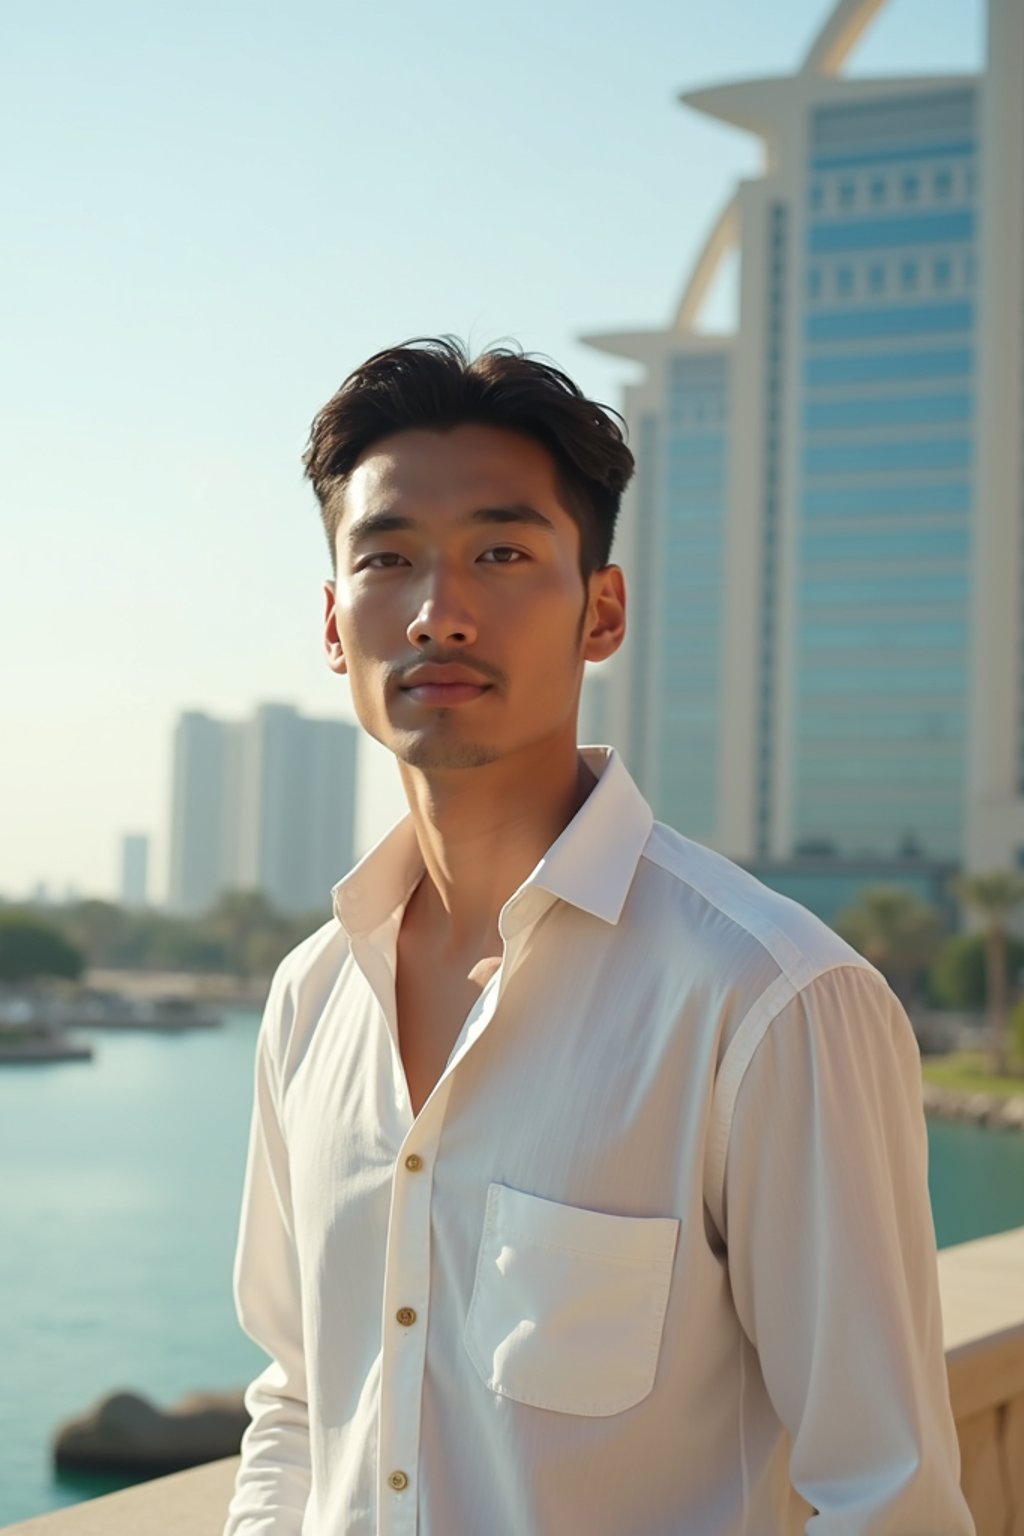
(120, 1182)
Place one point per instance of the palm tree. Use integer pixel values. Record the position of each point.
(896, 931)
(994, 897)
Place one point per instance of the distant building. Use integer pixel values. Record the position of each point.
(134, 869)
(198, 864)
(814, 491)
(293, 824)
(261, 804)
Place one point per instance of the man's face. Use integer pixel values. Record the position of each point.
(459, 612)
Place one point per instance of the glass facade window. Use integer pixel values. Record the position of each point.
(910, 187)
(888, 367)
(847, 192)
(879, 190)
(875, 155)
(942, 183)
(926, 453)
(852, 412)
(829, 681)
(908, 275)
(866, 548)
(867, 324)
(874, 634)
(895, 590)
(897, 125)
(927, 728)
(925, 228)
(942, 272)
(844, 282)
(876, 278)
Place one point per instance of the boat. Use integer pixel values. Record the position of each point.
(112, 1010)
(39, 1041)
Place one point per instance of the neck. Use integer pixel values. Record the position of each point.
(481, 831)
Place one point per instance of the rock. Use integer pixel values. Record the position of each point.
(1009, 1114)
(979, 1107)
(127, 1433)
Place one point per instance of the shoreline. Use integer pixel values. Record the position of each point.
(999, 1112)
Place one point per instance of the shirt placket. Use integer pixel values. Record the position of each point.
(407, 1294)
(406, 1308)
(404, 1324)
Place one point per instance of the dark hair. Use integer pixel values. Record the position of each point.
(431, 383)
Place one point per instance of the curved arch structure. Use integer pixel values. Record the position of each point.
(839, 35)
(723, 238)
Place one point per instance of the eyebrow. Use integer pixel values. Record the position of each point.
(396, 522)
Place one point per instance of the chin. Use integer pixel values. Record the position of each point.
(419, 753)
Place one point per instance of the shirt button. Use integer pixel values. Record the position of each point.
(398, 1481)
(414, 1162)
(406, 1316)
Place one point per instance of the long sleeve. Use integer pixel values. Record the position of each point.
(273, 1481)
(831, 1254)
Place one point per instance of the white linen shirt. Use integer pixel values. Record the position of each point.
(655, 1258)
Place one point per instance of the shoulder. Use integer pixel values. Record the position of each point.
(299, 991)
(713, 919)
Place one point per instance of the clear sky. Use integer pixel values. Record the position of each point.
(214, 210)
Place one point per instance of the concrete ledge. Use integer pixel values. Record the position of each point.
(192, 1503)
(982, 1286)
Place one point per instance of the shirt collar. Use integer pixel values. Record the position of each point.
(590, 865)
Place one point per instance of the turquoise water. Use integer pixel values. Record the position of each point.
(120, 1182)
(119, 1190)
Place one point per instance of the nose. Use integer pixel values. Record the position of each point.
(443, 616)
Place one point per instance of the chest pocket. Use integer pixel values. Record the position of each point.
(568, 1305)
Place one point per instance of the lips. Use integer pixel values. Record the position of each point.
(444, 673)
(447, 684)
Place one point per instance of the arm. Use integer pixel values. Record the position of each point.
(273, 1480)
(831, 1253)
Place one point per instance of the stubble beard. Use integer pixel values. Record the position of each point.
(435, 755)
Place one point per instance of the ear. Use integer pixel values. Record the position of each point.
(332, 640)
(605, 625)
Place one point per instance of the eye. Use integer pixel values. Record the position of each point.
(503, 554)
(386, 561)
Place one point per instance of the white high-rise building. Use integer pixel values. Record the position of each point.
(828, 500)
(995, 811)
(263, 804)
(134, 869)
(197, 860)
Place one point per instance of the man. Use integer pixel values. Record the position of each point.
(586, 1187)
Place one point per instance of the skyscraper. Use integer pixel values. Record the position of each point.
(296, 805)
(797, 684)
(996, 717)
(197, 859)
(134, 869)
(262, 804)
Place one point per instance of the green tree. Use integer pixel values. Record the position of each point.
(897, 931)
(181, 944)
(957, 979)
(994, 897)
(95, 927)
(249, 928)
(31, 948)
